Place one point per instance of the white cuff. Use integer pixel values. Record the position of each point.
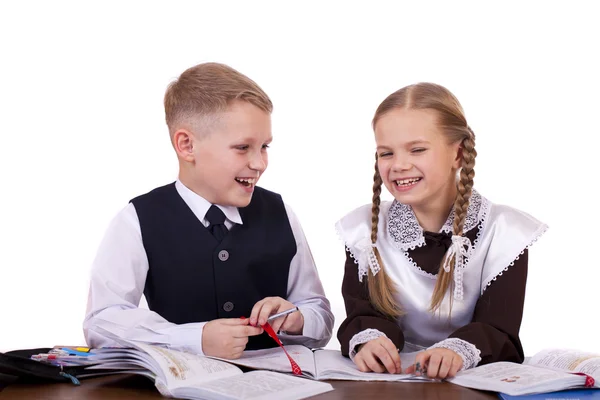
(310, 328)
(187, 337)
(315, 332)
(363, 337)
(470, 354)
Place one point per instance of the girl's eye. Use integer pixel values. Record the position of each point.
(418, 150)
(242, 147)
(265, 146)
(385, 154)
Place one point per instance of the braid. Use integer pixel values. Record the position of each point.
(461, 206)
(381, 289)
(376, 202)
(465, 184)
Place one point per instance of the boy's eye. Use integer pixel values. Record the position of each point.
(385, 154)
(265, 146)
(418, 150)
(242, 147)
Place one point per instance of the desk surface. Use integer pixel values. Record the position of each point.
(129, 386)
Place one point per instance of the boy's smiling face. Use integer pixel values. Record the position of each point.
(224, 165)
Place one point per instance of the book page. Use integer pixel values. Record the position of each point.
(134, 371)
(106, 360)
(117, 365)
(185, 369)
(332, 365)
(274, 359)
(130, 350)
(516, 379)
(257, 385)
(569, 360)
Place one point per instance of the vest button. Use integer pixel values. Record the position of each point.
(223, 255)
(228, 306)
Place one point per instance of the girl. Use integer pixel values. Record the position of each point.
(445, 268)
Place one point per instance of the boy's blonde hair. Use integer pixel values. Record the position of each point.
(206, 90)
(453, 124)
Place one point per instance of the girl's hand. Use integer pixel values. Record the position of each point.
(378, 355)
(438, 363)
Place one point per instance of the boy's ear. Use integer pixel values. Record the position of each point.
(183, 141)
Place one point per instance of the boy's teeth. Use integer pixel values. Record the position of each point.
(250, 180)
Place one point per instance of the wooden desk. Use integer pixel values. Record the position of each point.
(137, 387)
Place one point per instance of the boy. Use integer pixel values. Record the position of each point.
(211, 247)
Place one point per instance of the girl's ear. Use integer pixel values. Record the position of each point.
(459, 156)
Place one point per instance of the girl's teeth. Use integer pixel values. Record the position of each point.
(406, 181)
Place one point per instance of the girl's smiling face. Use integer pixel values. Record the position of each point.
(416, 163)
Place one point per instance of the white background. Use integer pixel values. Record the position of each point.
(82, 131)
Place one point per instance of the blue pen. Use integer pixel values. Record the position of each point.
(73, 352)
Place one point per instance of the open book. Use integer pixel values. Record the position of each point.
(548, 371)
(320, 364)
(189, 376)
(569, 394)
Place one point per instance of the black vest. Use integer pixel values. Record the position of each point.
(192, 278)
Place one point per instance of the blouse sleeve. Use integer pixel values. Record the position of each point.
(362, 318)
(496, 322)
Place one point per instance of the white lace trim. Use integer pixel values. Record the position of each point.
(540, 231)
(474, 213)
(482, 215)
(417, 268)
(404, 228)
(365, 254)
(470, 354)
(484, 210)
(407, 234)
(363, 337)
(461, 250)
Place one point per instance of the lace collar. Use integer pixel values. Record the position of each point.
(407, 234)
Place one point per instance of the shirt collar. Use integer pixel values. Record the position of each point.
(199, 205)
(407, 234)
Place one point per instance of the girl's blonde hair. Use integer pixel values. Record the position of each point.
(452, 122)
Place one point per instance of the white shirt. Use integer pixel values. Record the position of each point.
(118, 278)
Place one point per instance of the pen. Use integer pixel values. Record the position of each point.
(78, 351)
(56, 357)
(281, 314)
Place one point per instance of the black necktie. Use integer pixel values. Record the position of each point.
(216, 219)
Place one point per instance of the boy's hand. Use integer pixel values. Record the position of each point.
(438, 363)
(378, 355)
(292, 323)
(227, 337)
